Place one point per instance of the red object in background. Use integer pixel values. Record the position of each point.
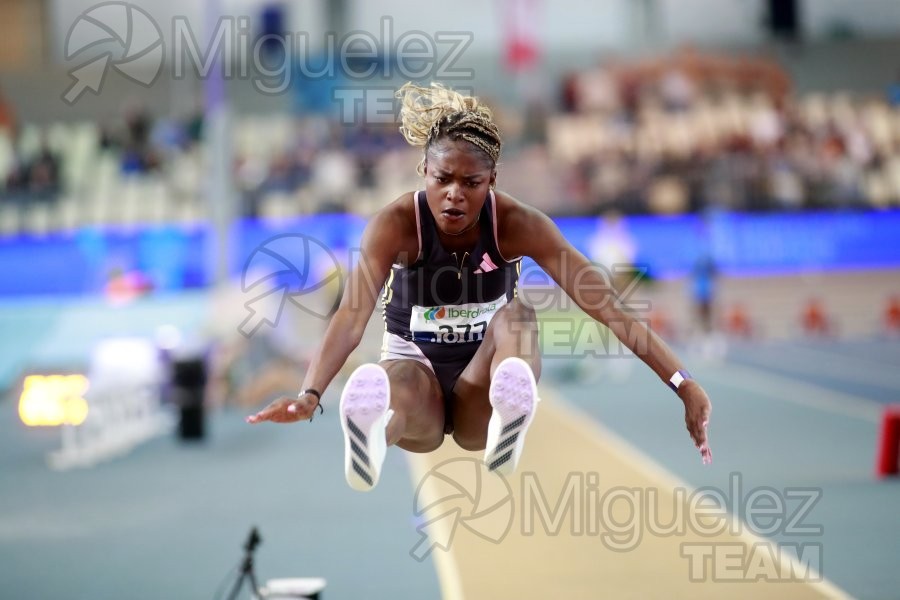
(889, 442)
(124, 287)
(814, 319)
(892, 314)
(520, 36)
(737, 322)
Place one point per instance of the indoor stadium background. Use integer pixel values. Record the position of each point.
(183, 184)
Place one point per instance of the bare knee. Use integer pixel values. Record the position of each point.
(471, 441)
(514, 312)
(512, 321)
(423, 446)
(514, 332)
(522, 311)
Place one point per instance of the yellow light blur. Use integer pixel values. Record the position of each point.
(53, 400)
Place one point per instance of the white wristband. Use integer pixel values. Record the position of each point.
(677, 379)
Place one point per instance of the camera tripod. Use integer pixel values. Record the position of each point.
(253, 541)
(297, 588)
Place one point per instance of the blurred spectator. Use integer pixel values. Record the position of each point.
(169, 137)
(37, 179)
(366, 145)
(194, 126)
(7, 116)
(568, 93)
(677, 89)
(596, 90)
(138, 154)
(704, 290)
(893, 92)
(613, 248)
(17, 180)
(43, 175)
(333, 178)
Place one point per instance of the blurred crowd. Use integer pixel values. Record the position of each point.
(35, 177)
(315, 164)
(693, 131)
(681, 133)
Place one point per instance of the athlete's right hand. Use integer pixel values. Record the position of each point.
(287, 410)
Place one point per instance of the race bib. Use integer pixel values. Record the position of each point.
(453, 324)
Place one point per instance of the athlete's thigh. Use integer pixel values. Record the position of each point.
(416, 395)
(470, 406)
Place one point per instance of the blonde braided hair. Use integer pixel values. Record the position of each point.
(431, 113)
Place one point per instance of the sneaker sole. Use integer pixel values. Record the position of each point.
(365, 410)
(513, 396)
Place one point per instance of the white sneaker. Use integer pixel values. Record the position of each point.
(513, 394)
(365, 412)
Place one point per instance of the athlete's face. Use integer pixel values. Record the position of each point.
(457, 179)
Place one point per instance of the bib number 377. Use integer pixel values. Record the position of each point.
(450, 334)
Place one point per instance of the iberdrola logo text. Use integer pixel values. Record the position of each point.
(452, 312)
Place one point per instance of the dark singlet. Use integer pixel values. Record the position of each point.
(444, 301)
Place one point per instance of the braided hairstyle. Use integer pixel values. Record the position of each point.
(429, 114)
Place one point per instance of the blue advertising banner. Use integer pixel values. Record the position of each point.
(173, 257)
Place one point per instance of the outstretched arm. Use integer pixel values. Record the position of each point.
(379, 249)
(528, 232)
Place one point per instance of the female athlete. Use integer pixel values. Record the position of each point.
(460, 354)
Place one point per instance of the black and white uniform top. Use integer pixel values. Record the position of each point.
(437, 309)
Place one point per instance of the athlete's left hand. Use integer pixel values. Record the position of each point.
(696, 415)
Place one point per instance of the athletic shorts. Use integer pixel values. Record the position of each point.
(446, 361)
